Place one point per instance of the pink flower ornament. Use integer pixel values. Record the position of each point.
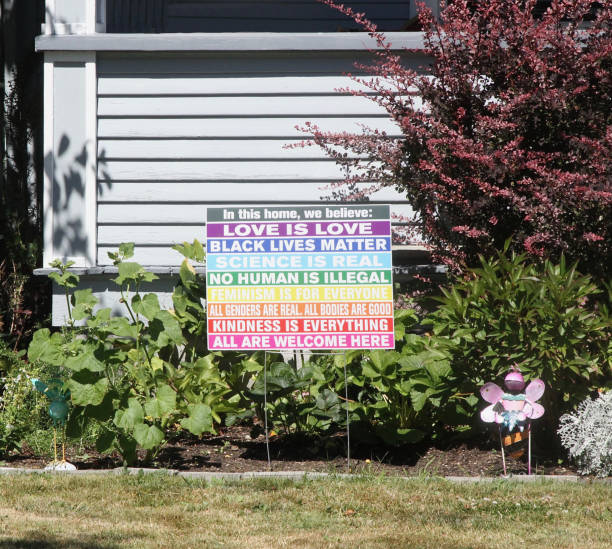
(512, 408)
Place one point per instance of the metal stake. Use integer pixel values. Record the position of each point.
(529, 448)
(501, 440)
(348, 429)
(266, 409)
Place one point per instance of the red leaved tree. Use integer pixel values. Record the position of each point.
(507, 134)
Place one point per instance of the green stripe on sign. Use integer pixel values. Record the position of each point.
(298, 278)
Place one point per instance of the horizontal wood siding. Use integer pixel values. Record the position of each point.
(250, 15)
(251, 127)
(168, 192)
(178, 133)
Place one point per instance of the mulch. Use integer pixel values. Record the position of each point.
(238, 449)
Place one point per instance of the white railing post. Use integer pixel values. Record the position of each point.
(75, 16)
(70, 140)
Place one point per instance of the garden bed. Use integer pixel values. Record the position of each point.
(235, 450)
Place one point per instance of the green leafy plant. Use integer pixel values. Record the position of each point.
(142, 376)
(586, 434)
(22, 414)
(398, 396)
(393, 396)
(546, 318)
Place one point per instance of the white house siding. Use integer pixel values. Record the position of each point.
(180, 132)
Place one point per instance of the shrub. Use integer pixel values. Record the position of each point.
(143, 376)
(140, 377)
(587, 435)
(22, 413)
(506, 134)
(543, 317)
(395, 397)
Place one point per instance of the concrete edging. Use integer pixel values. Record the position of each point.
(292, 475)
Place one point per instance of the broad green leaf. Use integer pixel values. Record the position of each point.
(193, 251)
(165, 330)
(147, 306)
(309, 374)
(65, 280)
(122, 327)
(85, 361)
(164, 402)
(418, 399)
(130, 271)
(369, 370)
(383, 359)
(414, 363)
(87, 393)
(187, 273)
(199, 420)
(46, 347)
(148, 436)
(398, 436)
(128, 418)
(472, 400)
(410, 436)
(83, 301)
(328, 405)
(399, 331)
(438, 369)
(157, 364)
(249, 365)
(280, 379)
(100, 318)
(346, 358)
(181, 302)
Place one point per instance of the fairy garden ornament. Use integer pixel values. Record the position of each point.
(513, 410)
(58, 410)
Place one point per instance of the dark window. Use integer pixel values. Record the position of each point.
(154, 16)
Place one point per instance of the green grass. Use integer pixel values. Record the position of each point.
(46, 511)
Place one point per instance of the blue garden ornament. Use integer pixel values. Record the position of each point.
(58, 411)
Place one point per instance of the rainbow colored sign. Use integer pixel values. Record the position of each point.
(299, 277)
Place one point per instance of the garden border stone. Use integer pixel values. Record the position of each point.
(292, 475)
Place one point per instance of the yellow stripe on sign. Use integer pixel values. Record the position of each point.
(300, 293)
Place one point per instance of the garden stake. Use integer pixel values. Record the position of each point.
(266, 410)
(348, 430)
(58, 410)
(501, 443)
(513, 411)
(529, 448)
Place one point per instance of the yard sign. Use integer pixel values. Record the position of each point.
(307, 277)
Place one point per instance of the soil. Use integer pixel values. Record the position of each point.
(237, 449)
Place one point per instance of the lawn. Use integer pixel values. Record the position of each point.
(45, 511)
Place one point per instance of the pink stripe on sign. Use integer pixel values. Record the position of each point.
(384, 340)
(305, 228)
